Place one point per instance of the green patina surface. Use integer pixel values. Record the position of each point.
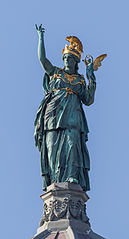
(60, 126)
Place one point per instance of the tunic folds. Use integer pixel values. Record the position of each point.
(61, 128)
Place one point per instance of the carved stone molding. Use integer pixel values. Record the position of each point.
(64, 209)
(64, 213)
(64, 201)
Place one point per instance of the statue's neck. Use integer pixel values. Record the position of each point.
(69, 70)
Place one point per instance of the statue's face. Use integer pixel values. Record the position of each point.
(69, 61)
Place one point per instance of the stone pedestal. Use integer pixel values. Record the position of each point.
(64, 213)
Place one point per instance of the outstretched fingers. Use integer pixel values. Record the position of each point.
(36, 26)
(40, 28)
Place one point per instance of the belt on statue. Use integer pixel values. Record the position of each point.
(68, 91)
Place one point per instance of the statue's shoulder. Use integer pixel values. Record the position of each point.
(57, 70)
(82, 79)
(81, 76)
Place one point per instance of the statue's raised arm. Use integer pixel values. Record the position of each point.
(46, 64)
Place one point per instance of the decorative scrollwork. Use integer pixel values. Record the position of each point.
(66, 208)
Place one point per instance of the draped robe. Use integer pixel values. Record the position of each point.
(61, 128)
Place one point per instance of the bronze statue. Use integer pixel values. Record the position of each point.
(61, 129)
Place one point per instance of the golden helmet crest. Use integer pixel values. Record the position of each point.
(74, 48)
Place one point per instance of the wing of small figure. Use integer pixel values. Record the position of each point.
(97, 61)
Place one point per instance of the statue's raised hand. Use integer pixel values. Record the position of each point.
(40, 28)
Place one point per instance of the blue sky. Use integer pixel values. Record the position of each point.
(102, 26)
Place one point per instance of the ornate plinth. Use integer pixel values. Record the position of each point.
(64, 213)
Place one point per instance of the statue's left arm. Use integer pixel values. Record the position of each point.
(89, 90)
